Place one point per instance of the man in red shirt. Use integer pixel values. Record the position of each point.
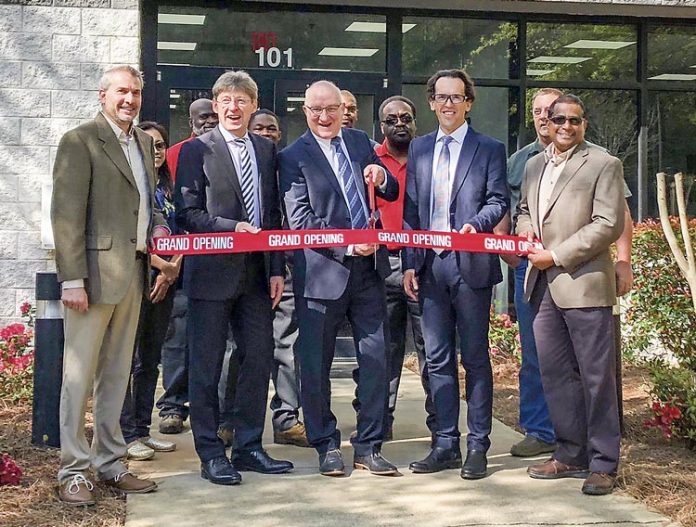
(202, 119)
(398, 122)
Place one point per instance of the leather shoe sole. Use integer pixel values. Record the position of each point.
(334, 472)
(385, 472)
(577, 474)
(249, 468)
(221, 481)
(418, 468)
(466, 474)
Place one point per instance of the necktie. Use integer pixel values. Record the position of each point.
(345, 174)
(440, 218)
(247, 181)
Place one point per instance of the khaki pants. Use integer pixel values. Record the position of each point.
(98, 354)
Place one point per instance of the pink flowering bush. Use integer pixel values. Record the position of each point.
(17, 358)
(10, 473)
(504, 338)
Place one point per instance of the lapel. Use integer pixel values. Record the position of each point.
(425, 181)
(113, 149)
(354, 155)
(536, 170)
(224, 159)
(576, 161)
(466, 156)
(317, 155)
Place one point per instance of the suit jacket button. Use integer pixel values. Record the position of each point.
(133, 240)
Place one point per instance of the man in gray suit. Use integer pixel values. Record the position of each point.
(572, 200)
(103, 215)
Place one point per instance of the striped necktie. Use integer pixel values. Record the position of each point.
(440, 218)
(247, 181)
(358, 220)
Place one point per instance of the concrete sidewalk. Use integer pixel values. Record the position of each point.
(305, 498)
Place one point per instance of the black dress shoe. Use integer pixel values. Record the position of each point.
(438, 459)
(475, 465)
(376, 464)
(331, 463)
(260, 461)
(220, 471)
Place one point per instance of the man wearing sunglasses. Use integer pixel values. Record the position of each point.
(534, 414)
(455, 182)
(572, 200)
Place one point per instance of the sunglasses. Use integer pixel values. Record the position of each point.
(393, 120)
(560, 120)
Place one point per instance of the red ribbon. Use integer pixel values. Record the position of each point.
(242, 242)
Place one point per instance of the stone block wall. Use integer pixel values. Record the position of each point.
(52, 53)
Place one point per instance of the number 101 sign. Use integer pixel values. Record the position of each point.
(274, 57)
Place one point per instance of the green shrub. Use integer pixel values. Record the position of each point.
(674, 389)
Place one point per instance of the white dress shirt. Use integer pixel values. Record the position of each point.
(236, 154)
(455, 148)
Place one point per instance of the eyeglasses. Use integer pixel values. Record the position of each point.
(393, 120)
(560, 120)
(455, 98)
(160, 145)
(240, 102)
(318, 110)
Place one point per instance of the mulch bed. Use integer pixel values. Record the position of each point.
(35, 503)
(659, 472)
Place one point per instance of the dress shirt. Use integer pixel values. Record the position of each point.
(134, 156)
(455, 148)
(236, 154)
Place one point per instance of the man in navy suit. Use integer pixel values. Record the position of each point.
(323, 178)
(456, 181)
(227, 182)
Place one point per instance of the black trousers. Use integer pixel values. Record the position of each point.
(136, 415)
(577, 358)
(250, 316)
(363, 302)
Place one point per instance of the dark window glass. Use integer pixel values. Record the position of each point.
(672, 53)
(484, 47)
(201, 36)
(179, 102)
(672, 144)
(581, 52)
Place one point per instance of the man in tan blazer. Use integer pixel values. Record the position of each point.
(103, 215)
(572, 200)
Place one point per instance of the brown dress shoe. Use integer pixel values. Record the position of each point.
(554, 469)
(130, 484)
(295, 435)
(599, 484)
(77, 492)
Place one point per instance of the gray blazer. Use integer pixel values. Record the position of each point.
(585, 216)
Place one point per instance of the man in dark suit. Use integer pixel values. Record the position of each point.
(227, 182)
(455, 181)
(323, 178)
(573, 200)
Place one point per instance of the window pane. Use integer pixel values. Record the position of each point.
(672, 144)
(292, 40)
(581, 52)
(179, 102)
(483, 47)
(494, 112)
(664, 62)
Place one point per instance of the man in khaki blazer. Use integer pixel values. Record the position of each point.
(572, 200)
(103, 215)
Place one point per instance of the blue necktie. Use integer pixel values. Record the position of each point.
(440, 218)
(345, 174)
(247, 181)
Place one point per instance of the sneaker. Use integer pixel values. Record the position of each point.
(531, 446)
(171, 424)
(130, 484)
(158, 445)
(137, 451)
(295, 435)
(77, 492)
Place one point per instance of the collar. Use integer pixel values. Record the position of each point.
(550, 154)
(120, 134)
(457, 136)
(229, 137)
(326, 142)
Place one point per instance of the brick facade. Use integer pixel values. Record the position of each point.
(52, 53)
